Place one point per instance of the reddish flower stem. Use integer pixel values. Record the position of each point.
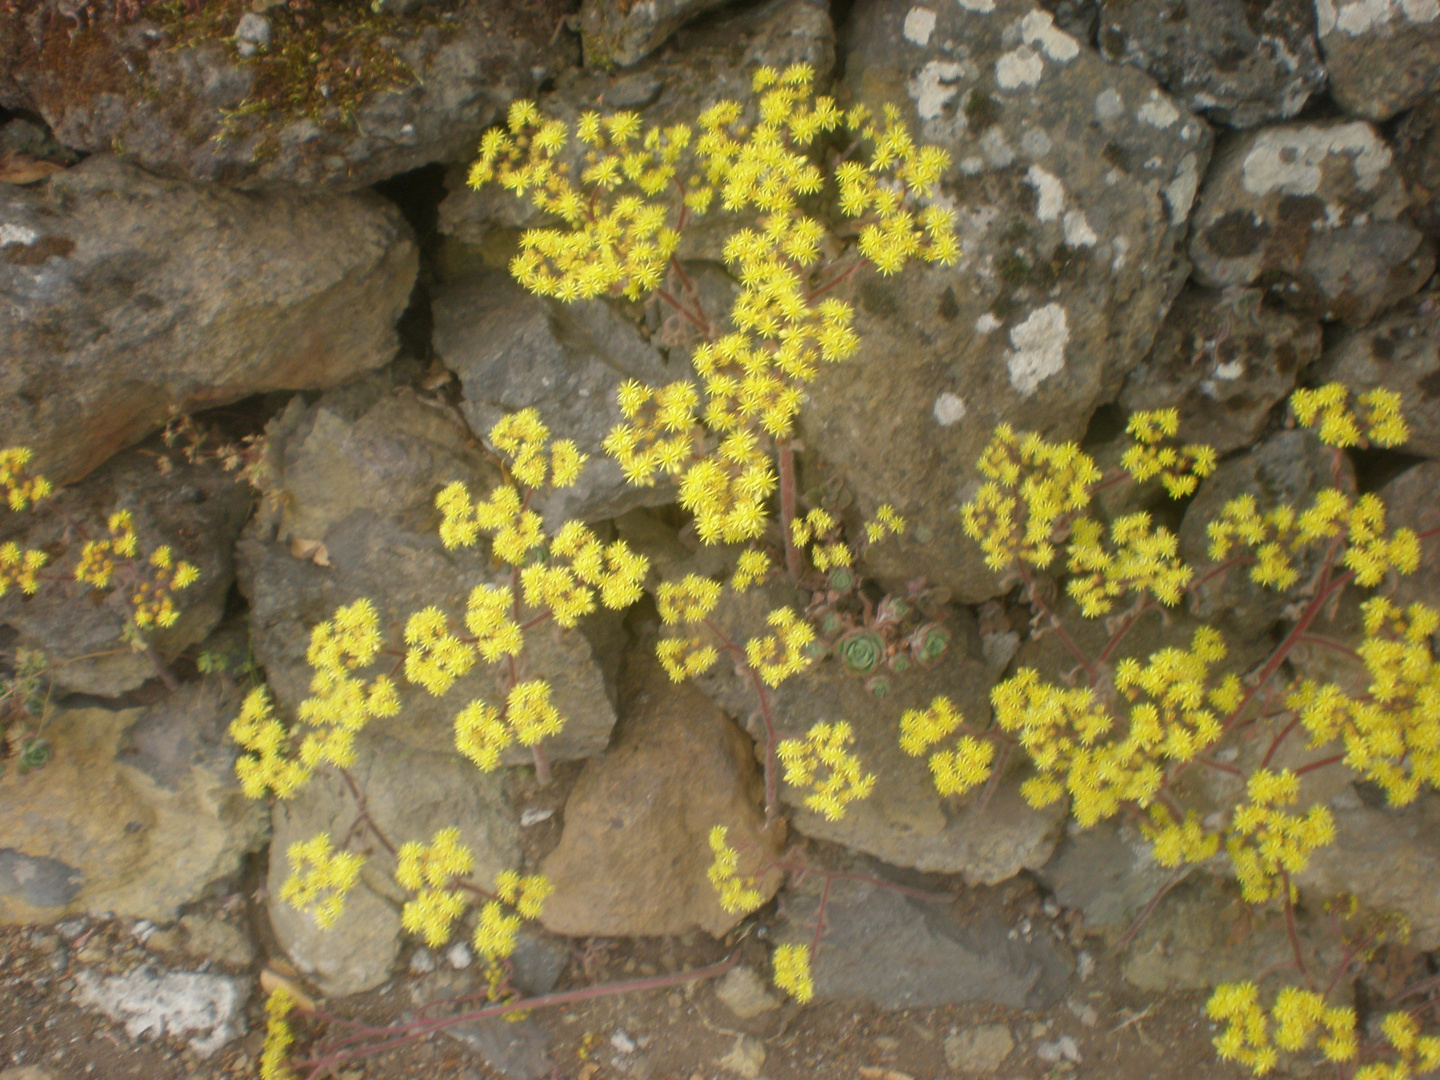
(794, 558)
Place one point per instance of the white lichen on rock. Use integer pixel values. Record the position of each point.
(1039, 348)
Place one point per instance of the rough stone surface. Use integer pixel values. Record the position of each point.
(1383, 57)
(195, 510)
(1106, 873)
(633, 857)
(512, 351)
(903, 953)
(1316, 214)
(1399, 352)
(904, 821)
(210, 938)
(1224, 361)
(1201, 934)
(980, 1049)
(1237, 63)
(411, 794)
(623, 33)
(357, 475)
(199, 110)
(207, 1007)
(136, 812)
(1389, 858)
(1416, 140)
(1069, 231)
(1289, 468)
(136, 297)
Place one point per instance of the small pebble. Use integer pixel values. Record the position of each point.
(422, 962)
(534, 816)
(622, 1042)
(458, 956)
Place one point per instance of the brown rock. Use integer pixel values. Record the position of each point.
(634, 853)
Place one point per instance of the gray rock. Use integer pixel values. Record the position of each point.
(904, 821)
(512, 351)
(252, 34)
(207, 1007)
(137, 297)
(1399, 352)
(1382, 57)
(1068, 232)
(633, 856)
(745, 993)
(1289, 468)
(195, 510)
(980, 1049)
(1416, 140)
(1238, 64)
(538, 962)
(745, 1059)
(136, 813)
(1224, 360)
(618, 32)
(1201, 935)
(902, 953)
(517, 1049)
(410, 90)
(1106, 873)
(411, 794)
(1315, 213)
(1386, 857)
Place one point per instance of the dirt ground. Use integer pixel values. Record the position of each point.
(1105, 1028)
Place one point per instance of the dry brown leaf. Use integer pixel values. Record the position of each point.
(24, 169)
(313, 550)
(271, 980)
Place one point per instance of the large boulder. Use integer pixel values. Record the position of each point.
(135, 298)
(623, 33)
(1070, 231)
(333, 99)
(1237, 63)
(633, 857)
(1316, 214)
(1383, 55)
(1224, 361)
(196, 510)
(357, 475)
(136, 813)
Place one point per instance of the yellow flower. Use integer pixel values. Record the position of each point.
(822, 762)
(778, 655)
(320, 878)
(792, 971)
(278, 1036)
(738, 894)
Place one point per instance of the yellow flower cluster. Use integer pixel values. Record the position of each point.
(778, 655)
(1266, 843)
(791, 965)
(487, 617)
(152, 597)
(738, 894)
(97, 558)
(523, 438)
(435, 658)
(17, 567)
(319, 878)
(659, 434)
(820, 529)
(1419, 1054)
(1064, 730)
(20, 568)
(1180, 469)
(21, 487)
(613, 569)
(726, 491)
(340, 705)
(686, 602)
(1032, 489)
(516, 530)
(1392, 733)
(427, 870)
(483, 733)
(266, 765)
(750, 569)
(1143, 560)
(955, 771)
(1175, 843)
(821, 761)
(1380, 422)
(1255, 1040)
(887, 523)
(496, 928)
(278, 1036)
(1278, 535)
